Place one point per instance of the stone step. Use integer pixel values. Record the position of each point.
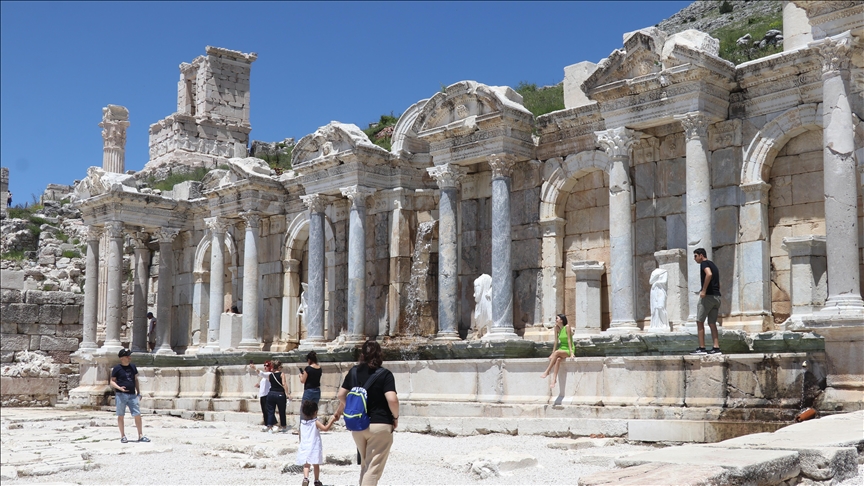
(658, 475)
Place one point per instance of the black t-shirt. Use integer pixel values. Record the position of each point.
(276, 383)
(313, 378)
(376, 402)
(714, 285)
(125, 377)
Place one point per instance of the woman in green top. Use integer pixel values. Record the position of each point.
(563, 348)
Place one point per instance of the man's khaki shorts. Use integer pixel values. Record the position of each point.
(708, 308)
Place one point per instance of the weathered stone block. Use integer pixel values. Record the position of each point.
(644, 181)
(808, 187)
(676, 231)
(12, 279)
(52, 297)
(11, 296)
(725, 196)
(21, 313)
(725, 226)
(70, 314)
(28, 386)
(644, 236)
(50, 314)
(14, 342)
(70, 330)
(671, 177)
(526, 254)
(726, 167)
(53, 343)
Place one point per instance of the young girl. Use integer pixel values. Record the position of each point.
(310, 451)
(562, 349)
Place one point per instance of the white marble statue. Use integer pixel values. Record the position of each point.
(301, 309)
(481, 319)
(659, 319)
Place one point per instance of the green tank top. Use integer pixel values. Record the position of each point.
(563, 345)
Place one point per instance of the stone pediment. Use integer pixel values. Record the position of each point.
(640, 56)
(334, 144)
(98, 181)
(246, 168)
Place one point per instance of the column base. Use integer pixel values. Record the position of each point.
(749, 323)
(164, 350)
(623, 327)
(843, 307)
(249, 346)
(108, 349)
(209, 348)
(500, 334)
(313, 344)
(447, 336)
(355, 340)
(87, 347)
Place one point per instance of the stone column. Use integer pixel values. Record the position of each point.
(448, 177)
(114, 300)
(588, 274)
(754, 256)
(502, 238)
(314, 316)
(699, 210)
(290, 300)
(249, 340)
(115, 121)
(809, 287)
(218, 227)
(165, 291)
(91, 288)
(841, 191)
(200, 310)
(675, 261)
(357, 262)
(617, 142)
(552, 288)
(141, 242)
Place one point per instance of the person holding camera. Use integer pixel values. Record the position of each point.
(124, 380)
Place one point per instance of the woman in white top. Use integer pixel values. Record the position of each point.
(263, 388)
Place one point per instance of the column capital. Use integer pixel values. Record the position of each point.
(695, 124)
(316, 203)
(357, 194)
(216, 224)
(756, 192)
(94, 233)
(140, 240)
(291, 265)
(166, 235)
(836, 52)
(501, 165)
(201, 277)
(809, 245)
(616, 142)
(115, 121)
(588, 269)
(552, 227)
(448, 176)
(252, 219)
(114, 229)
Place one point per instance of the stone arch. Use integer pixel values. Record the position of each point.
(200, 269)
(297, 235)
(560, 176)
(759, 154)
(468, 100)
(202, 252)
(405, 140)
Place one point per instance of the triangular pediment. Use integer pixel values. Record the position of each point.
(639, 57)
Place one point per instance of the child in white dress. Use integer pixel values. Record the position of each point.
(310, 451)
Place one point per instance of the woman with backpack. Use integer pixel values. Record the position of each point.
(369, 378)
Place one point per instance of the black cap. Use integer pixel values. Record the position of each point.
(124, 352)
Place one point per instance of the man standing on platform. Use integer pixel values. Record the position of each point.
(709, 301)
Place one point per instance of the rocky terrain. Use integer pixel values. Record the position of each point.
(705, 15)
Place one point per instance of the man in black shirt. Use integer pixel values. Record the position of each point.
(124, 380)
(709, 301)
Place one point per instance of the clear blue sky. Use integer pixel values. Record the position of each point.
(317, 62)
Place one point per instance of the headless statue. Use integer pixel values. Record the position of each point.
(481, 318)
(659, 319)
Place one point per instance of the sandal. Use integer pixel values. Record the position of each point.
(124, 439)
(143, 439)
(318, 483)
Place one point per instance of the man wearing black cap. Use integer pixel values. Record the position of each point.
(124, 379)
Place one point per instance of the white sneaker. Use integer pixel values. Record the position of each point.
(265, 429)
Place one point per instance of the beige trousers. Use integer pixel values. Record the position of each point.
(374, 446)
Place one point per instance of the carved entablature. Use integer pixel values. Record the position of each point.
(136, 209)
(327, 181)
(568, 131)
(468, 121)
(777, 83)
(336, 144)
(656, 77)
(829, 17)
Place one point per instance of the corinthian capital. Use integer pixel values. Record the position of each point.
(251, 219)
(216, 224)
(115, 121)
(166, 235)
(139, 239)
(447, 176)
(836, 52)
(114, 229)
(616, 142)
(695, 124)
(501, 165)
(94, 233)
(316, 203)
(357, 194)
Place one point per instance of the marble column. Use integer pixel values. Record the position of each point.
(218, 227)
(141, 242)
(841, 191)
(91, 288)
(357, 262)
(115, 121)
(249, 340)
(699, 210)
(314, 316)
(588, 274)
(114, 300)
(165, 291)
(502, 237)
(448, 177)
(616, 143)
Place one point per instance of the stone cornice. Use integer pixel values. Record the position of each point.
(822, 11)
(135, 209)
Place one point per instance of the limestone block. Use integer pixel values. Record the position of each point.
(676, 231)
(428, 377)
(518, 386)
(644, 380)
(725, 226)
(12, 279)
(70, 314)
(644, 180)
(54, 343)
(808, 187)
(574, 76)
(197, 382)
(726, 196)
(70, 330)
(669, 205)
(159, 383)
(237, 381)
(693, 39)
(588, 389)
(644, 236)
(35, 342)
(526, 254)
(11, 296)
(50, 314)
(187, 190)
(672, 146)
(21, 313)
(645, 209)
(763, 380)
(655, 473)
(230, 331)
(704, 382)
(28, 385)
(726, 167)
(9, 328)
(14, 342)
(53, 297)
(37, 328)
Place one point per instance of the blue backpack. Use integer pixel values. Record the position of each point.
(355, 413)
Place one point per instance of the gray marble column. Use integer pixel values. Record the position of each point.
(502, 237)
(314, 316)
(617, 142)
(165, 291)
(141, 242)
(357, 262)
(250, 340)
(218, 227)
(115, 309)
(699, 210)
(841, 191)
(447, 176)
(91, 289)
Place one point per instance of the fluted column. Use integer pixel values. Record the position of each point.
(141, 243)
(314, 316)
(841, 191)
(114, 299)
(91, 288)
(115, 121)
(502, 237)
(165, 292)
(448, 177)
(617, 142)
(357, 262)
(249, 338)
(218, 227)
(699, 210)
